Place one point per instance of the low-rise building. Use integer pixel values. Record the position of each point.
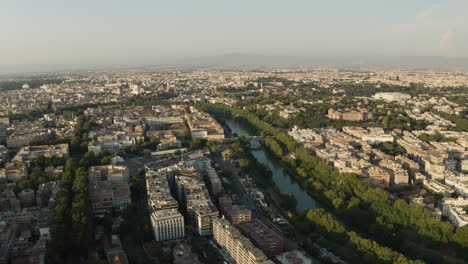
(202, 125)
(459, 184)
(49, 151)
(293, 257)
(392, 96)
(438, 187)
(349, 115)
(454, 210)
(14, 171)
(376, 176)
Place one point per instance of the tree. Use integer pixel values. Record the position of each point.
(198, 143)
(39, 161)
(106, 160)
(244, 163)
(213, 146)
(386, 122)
(88, 159)
(80, 184)
(461, 236)
(370, 209)
(288, 201)
(75, 143)
(26, 184)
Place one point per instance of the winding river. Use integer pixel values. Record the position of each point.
(281, 178)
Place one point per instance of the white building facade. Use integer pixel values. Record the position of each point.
(167, 225)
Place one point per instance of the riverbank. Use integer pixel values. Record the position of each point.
(282, 179)
(353, 200)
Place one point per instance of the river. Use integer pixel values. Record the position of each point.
(281, 178)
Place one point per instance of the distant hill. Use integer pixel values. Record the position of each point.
(256, 60)
(242, 59)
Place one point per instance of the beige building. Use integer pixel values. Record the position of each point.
(112, 173)
(167, 224)
(349, 115)
(108, 188)
(454, 210)
(202, 125)
(237, 214)
(376, 176)
(392, 96)
(29, 152)
(236, 245)
(216, 186)
(14, 171)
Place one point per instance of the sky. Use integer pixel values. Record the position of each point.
(95, 32)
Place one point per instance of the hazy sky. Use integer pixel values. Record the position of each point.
(139, 31)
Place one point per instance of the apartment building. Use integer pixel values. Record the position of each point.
(392, 96)
(236, 245)
(166, 220)
(167, 224)
(438, 187)
(349, 115)
(196, 202)
(29, 152)
(202, 125)
(112, 173)
(237, 215)
(108, 188)
(216, 186)
(454, 210)
(14, 171)
(263, 237)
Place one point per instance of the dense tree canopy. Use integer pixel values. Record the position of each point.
(367, 209)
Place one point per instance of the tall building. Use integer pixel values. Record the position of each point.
(112, 173)
(166, 220)
(167, 224)
(263, 237)
(224, 202)
(196, 202)
(204, 217)
(237, 215)
(236, 245)
(101, 198)
(159, 193)
(216, 186)
(108, 188)
(27, 198)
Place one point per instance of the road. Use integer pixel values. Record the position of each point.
(243, 198)
(246, 200)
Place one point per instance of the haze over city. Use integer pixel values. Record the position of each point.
(105, 33)
(234, 132)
